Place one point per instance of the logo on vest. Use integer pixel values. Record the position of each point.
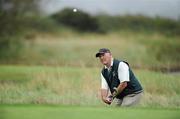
(113, 73)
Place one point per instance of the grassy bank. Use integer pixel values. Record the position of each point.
(69, 48)
(79, 86)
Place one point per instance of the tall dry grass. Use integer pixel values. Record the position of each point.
(76, 86)
(160, 90)
(73, 49)
(81, 86)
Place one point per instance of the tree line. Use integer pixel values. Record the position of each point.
(103, 23)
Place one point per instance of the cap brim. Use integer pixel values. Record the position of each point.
(99, 53)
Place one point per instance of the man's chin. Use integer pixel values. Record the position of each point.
(105, 63)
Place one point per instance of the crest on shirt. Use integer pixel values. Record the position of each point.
(113, 73)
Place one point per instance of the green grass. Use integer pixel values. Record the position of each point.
(79, 86)
(77, 112)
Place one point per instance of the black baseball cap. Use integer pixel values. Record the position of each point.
(102, 51)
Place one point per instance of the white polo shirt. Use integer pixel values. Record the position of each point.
(123, 74)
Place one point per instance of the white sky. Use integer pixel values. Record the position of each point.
(164, 8)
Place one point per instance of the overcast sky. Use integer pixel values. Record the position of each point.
(164, 8)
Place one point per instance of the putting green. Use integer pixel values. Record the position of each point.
(77, 112)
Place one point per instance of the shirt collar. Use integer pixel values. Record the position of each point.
(111, 64)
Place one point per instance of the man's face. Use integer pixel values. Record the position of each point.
(105, 59)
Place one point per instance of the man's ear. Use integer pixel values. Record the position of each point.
(110, 54)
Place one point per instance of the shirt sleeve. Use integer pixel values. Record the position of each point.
(104, 84)
(123, 72)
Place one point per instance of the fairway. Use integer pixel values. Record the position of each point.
(77, 112)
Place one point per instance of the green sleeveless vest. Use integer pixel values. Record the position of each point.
(112, 79)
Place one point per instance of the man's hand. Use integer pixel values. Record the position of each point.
(115, 93)
(108, 100)
(119, 89)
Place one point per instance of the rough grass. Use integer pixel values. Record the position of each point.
(79, 86)
(69, 48)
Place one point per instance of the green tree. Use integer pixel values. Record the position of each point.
(78, 20)
(13, 16)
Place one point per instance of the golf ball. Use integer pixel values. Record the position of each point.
(74, 10)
